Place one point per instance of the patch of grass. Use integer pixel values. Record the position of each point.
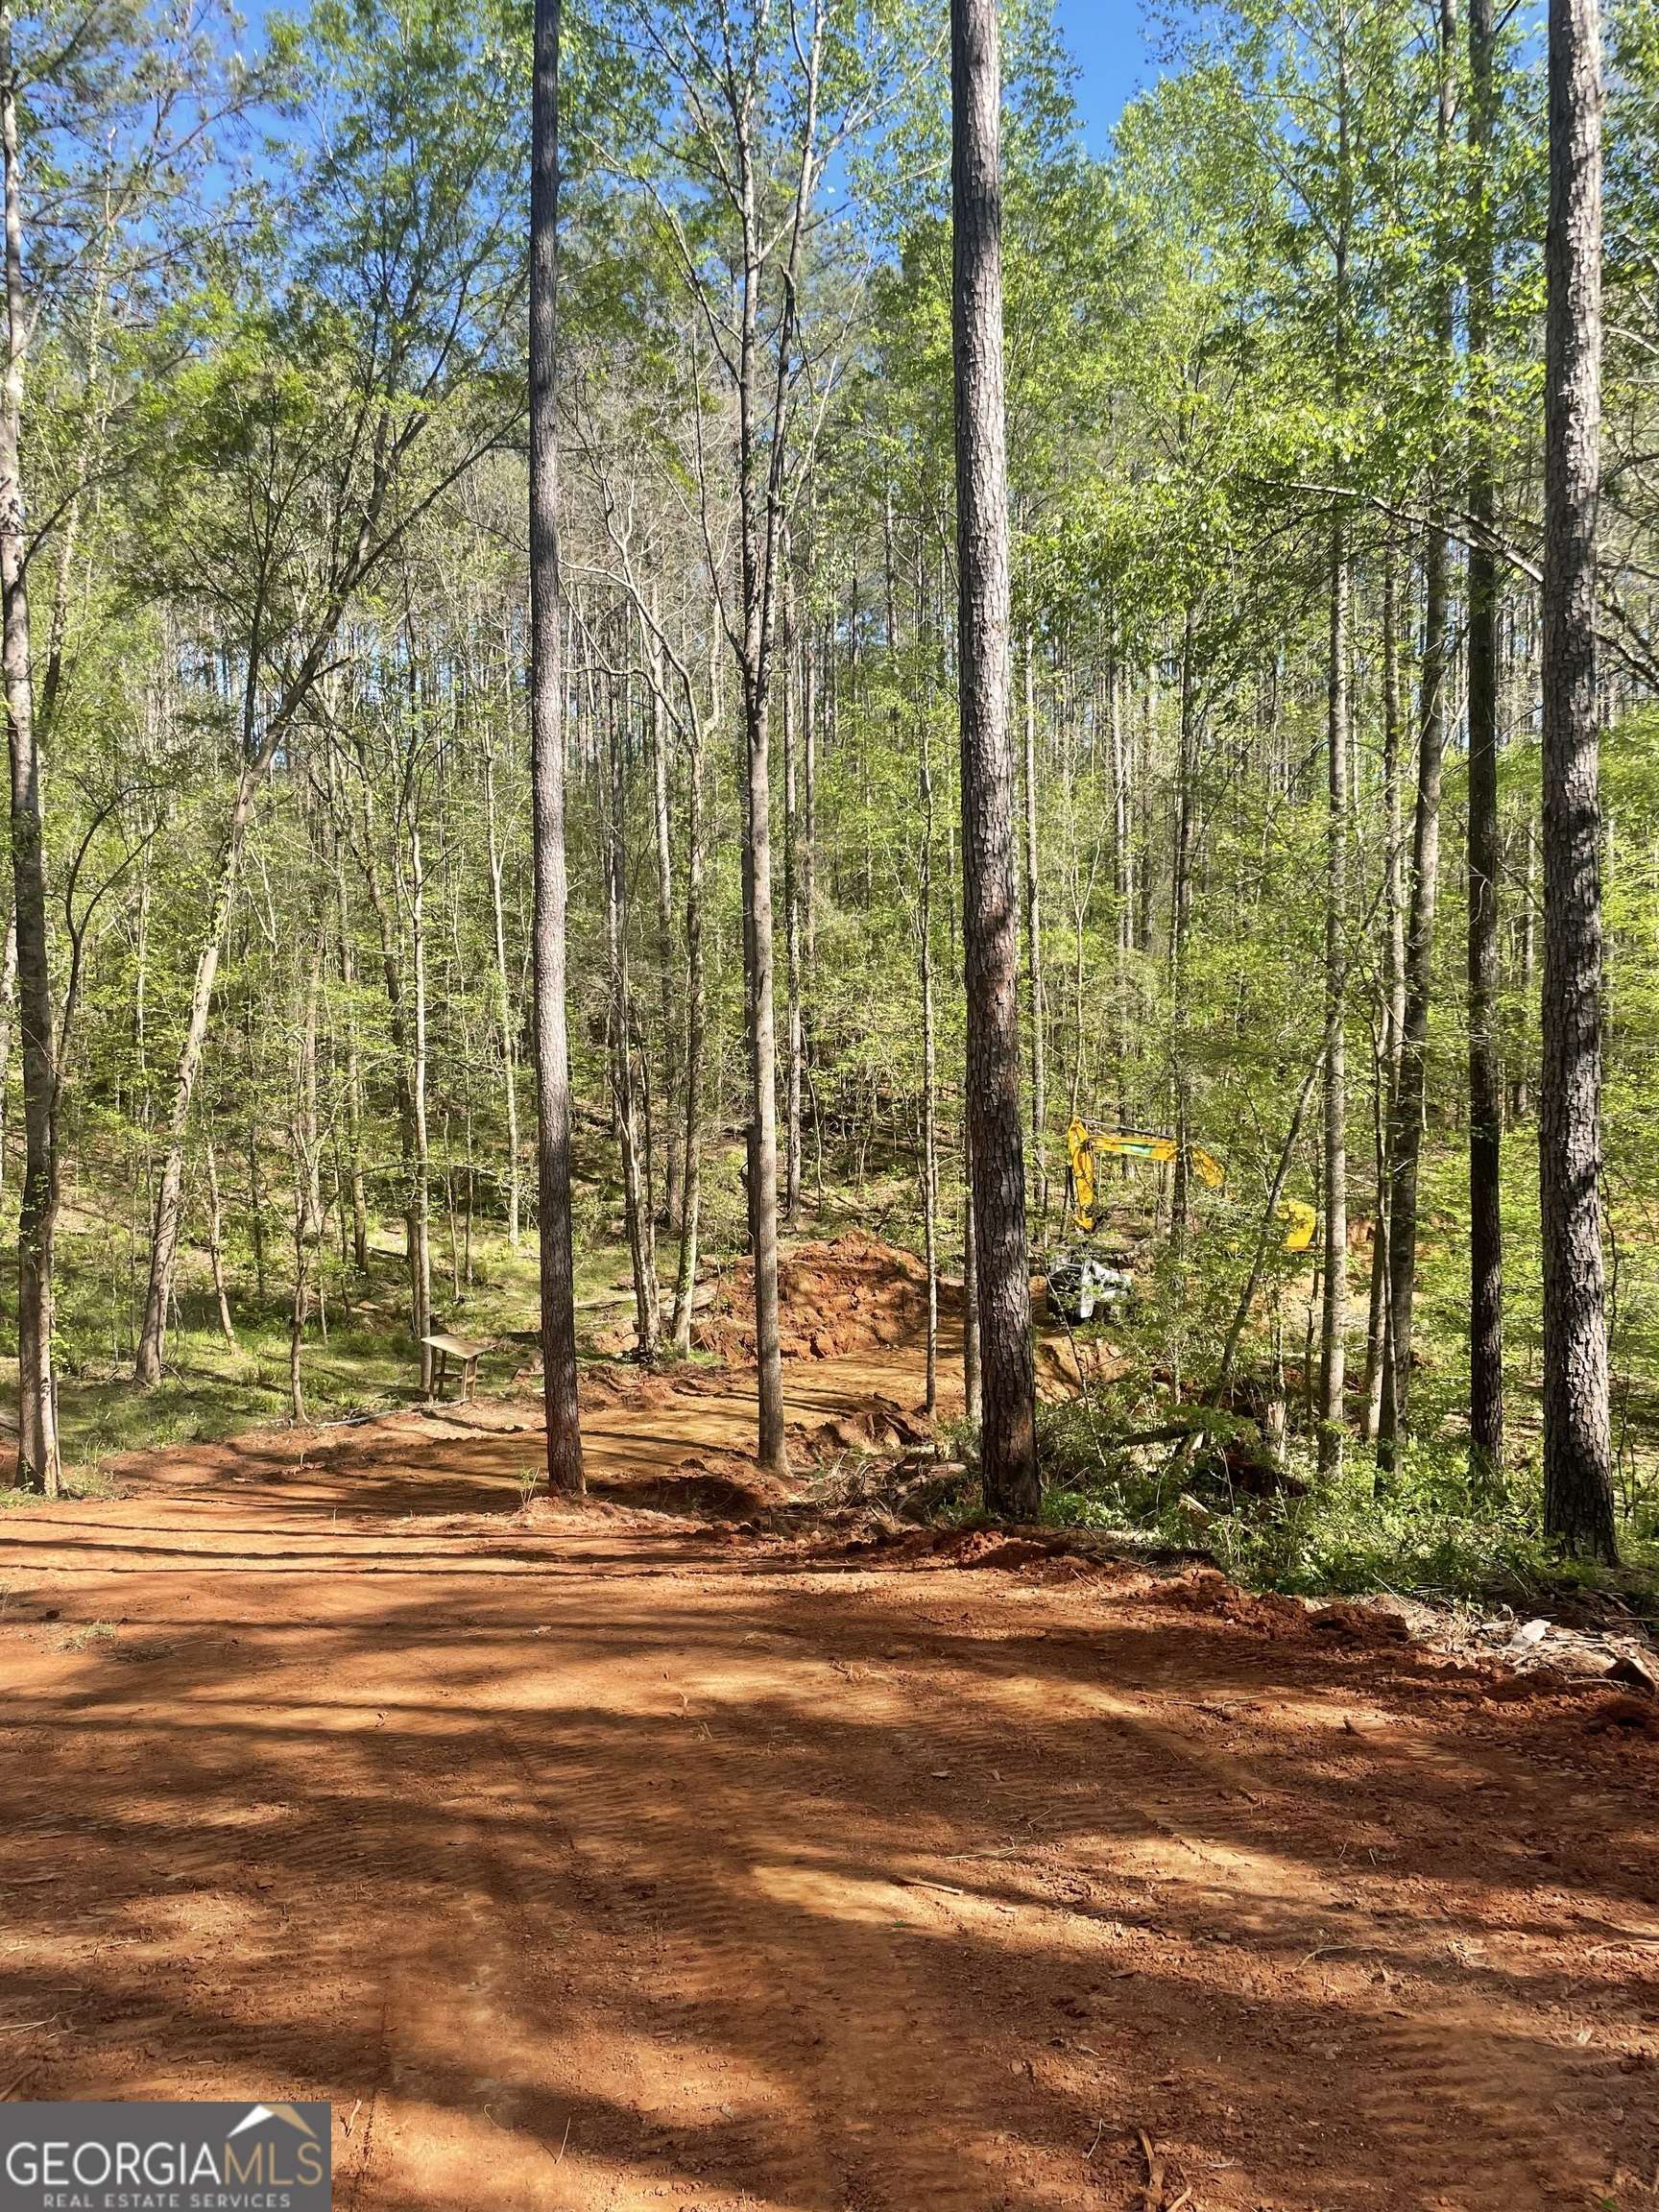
(77, 1482)
(367, 1363)
(211, 1389)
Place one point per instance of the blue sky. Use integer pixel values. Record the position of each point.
(1107, 39)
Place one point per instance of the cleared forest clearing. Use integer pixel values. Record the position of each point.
(605, 1857)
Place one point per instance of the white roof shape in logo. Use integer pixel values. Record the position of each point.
(256, 2114)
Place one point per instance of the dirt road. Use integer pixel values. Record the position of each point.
(607, 1860)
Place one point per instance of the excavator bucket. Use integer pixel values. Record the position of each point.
(1303, 1222)
(1207, 1167)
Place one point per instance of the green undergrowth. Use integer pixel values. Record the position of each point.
(1419, 1532)
(210, 1389)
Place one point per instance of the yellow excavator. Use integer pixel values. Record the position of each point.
(1086, 1147)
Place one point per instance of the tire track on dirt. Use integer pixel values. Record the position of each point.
(773, 1935)
(1421, 2081)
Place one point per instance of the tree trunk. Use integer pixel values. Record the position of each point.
(696, 1026)
(8, 1007)
(762, 1039)
(791, 923)
(38, 1458)
(1521, 1090)
(810, 898)
(420, 1164)
(1577, 1452)
(307, 1223)
(1180, 933)
(973, 1371)
(506, 1026)
(1405, 1135)
(353, 1085)
(991, 945)
(216, 1248)
(256, 1209)
(1486, 842)
(406, 1019)
(1405, 1143)
(1393, 998)
(1034, 953)
(1334, 1317)
(635, 1204)
(1123, 886)
(929, 1077)
(664, 854)
(762, 453)
(170, 1190)
(552, 1044)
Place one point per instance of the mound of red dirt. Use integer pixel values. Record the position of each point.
(1347, 1624)
(853, 1293)
(879, 1424)
(1208, 1591)
(721, 1486)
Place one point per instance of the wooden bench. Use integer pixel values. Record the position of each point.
(467, 1355)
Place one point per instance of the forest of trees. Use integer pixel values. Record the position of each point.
(1281, 661)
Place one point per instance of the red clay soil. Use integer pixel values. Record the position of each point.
(853, 1293)
(604, 1858)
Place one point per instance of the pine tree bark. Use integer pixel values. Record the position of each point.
(37, 1457)
(1405, 1143)
(696, 1029)
(216, 1247)
(1486, 842)
(307, 1222)
(1009, 1442)
(1520, 1096)
(1333, 1315)
(1123, 884)
(507, 1029)
(636, 1206)
(808, 858)
(405, 1009)
(420, 1164)
(1393, 999)
(762, 1038)
(764, 351)
(552, 1043)
(929, 1076)
(1034, 952)
(1577, 1451)
(354, 1067)
(973, 1371)
(793, 1028)
(8, 1007)
(256, 1206)
(1180, 940)
(663, 853)
(1405, 1135)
